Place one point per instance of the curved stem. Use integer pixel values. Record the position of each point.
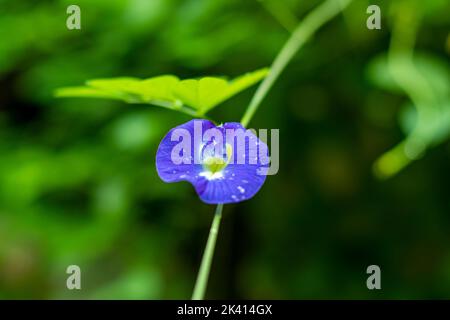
(305, 29)
(301, 34)
(203, 274)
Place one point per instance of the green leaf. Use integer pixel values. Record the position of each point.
(158, 88)
(125, 87)
(87, 92)
(114, 84)
(115, 88)
(200, 94)
(206, 93)
(167, 90)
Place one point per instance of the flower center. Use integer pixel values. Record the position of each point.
(216, 164)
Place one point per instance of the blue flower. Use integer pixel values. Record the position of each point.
(225, 163)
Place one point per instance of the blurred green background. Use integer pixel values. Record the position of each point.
(78, 183)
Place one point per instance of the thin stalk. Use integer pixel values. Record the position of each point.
(205, 267)
(302, 33)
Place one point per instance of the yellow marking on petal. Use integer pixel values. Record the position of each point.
(217, 164)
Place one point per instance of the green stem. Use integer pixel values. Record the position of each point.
(301, 34)
(205, 267)
(305, 29)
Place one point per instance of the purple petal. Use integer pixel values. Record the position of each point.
(238, 181)
(167, 170)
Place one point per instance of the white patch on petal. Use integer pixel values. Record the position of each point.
(211, 176)
(241, 190)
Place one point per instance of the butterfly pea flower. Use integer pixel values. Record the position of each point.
(224, 163)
